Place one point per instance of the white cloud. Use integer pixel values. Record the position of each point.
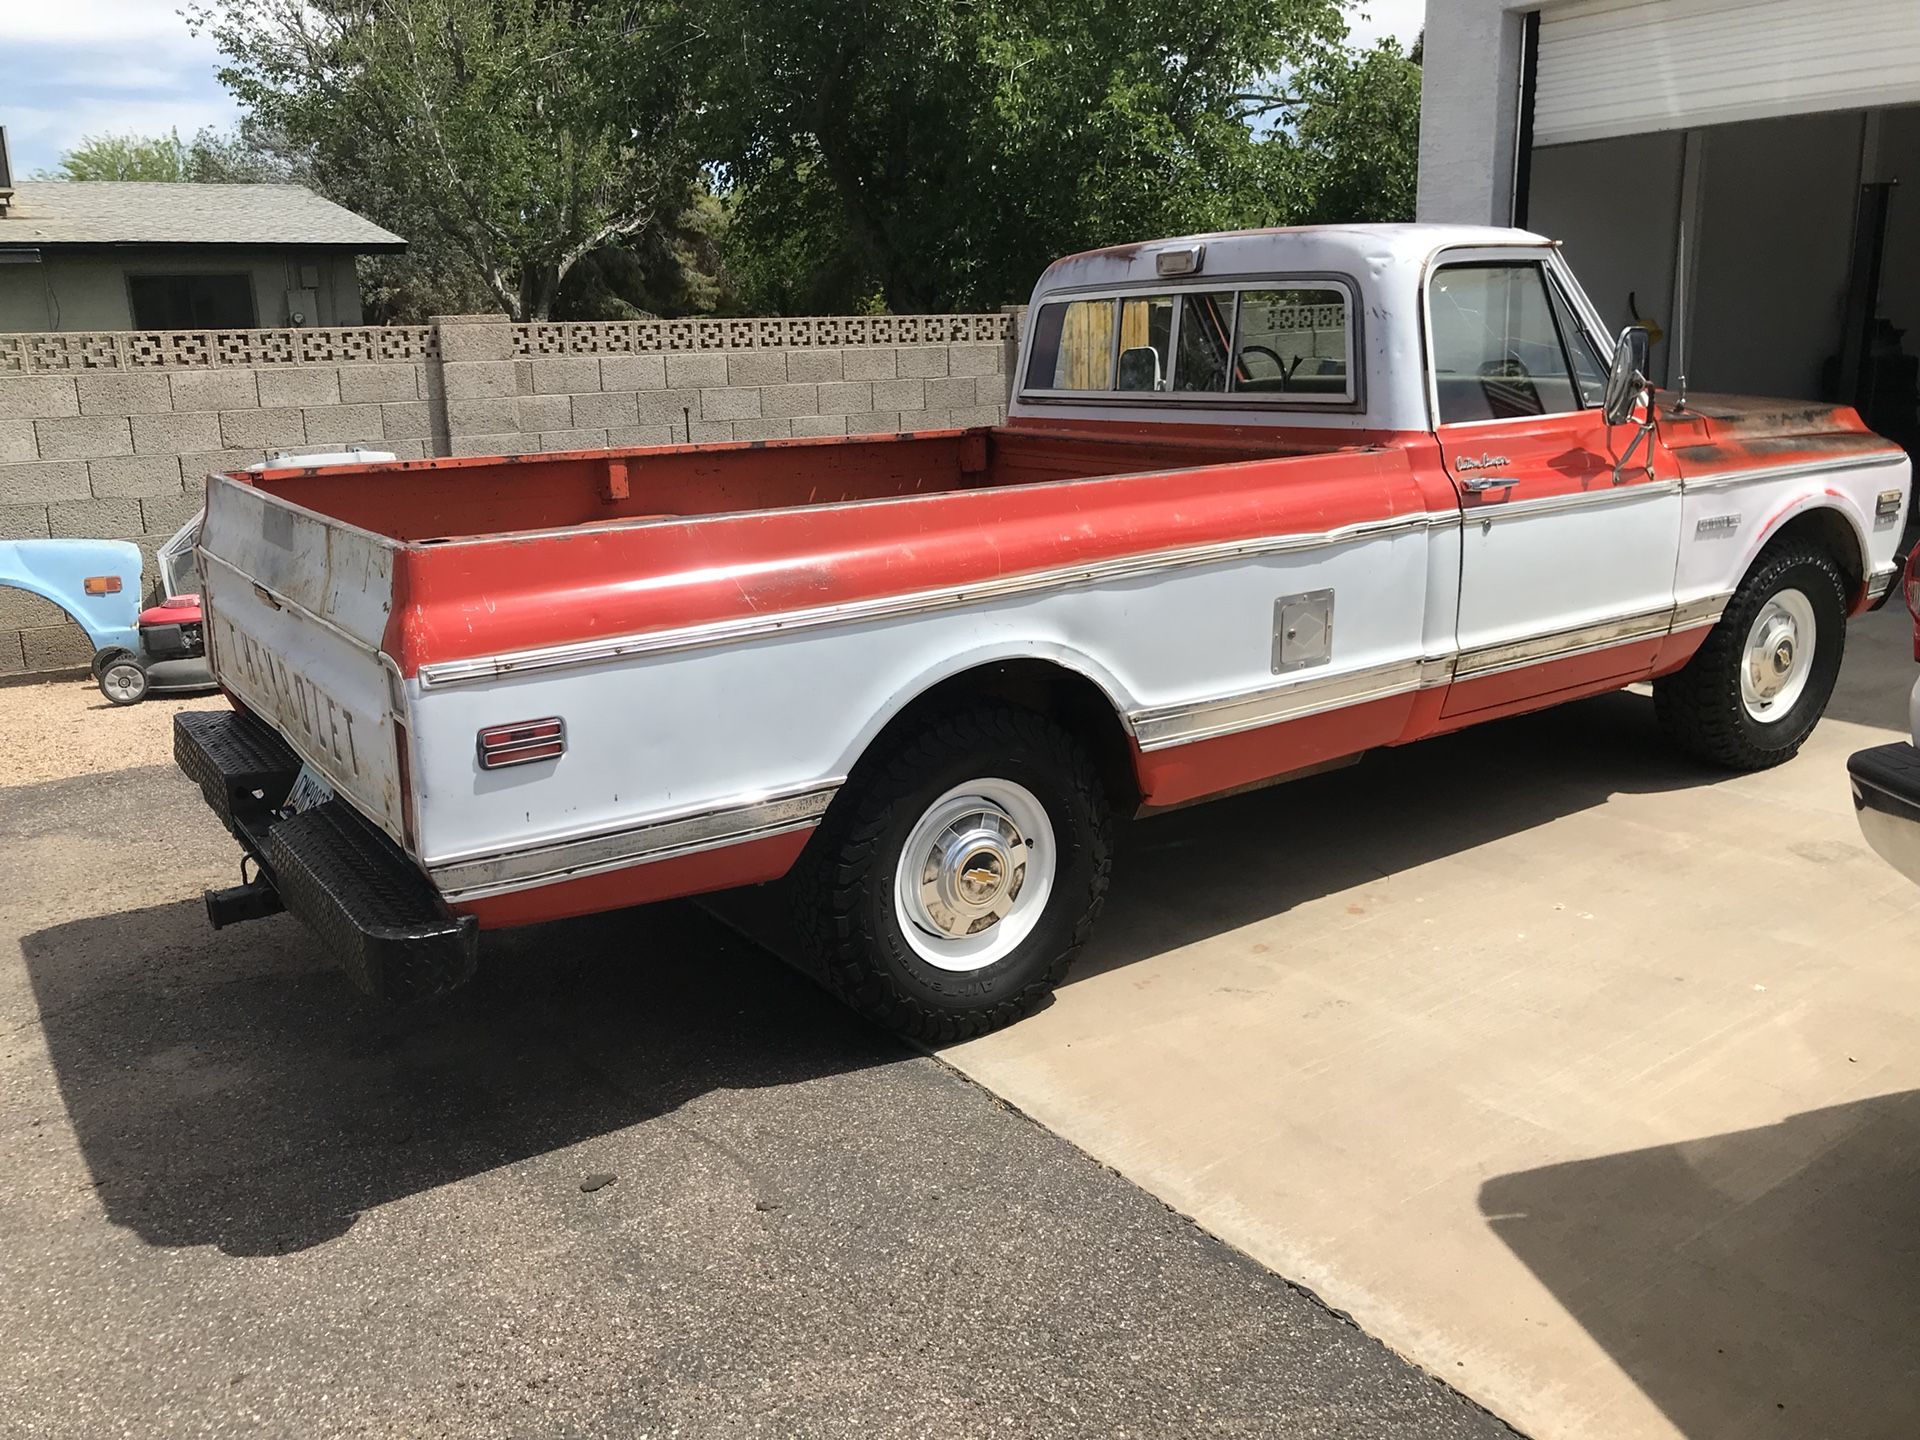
(1371, 20)
(94, 22)
(97, 67)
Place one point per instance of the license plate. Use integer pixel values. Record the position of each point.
(309, 790)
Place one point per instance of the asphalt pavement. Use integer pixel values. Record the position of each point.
(641, 1180)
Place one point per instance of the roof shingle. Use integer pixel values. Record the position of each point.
(139, 212)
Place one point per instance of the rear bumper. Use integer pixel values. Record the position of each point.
(1886, 800)
(345, 880)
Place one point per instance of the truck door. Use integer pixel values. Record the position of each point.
(1567, 558)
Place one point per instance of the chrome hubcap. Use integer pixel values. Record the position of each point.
(1778, 657)
(974, 874)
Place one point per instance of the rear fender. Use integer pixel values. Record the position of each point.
(1073, 662)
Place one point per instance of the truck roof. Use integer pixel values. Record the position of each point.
(1343, 249)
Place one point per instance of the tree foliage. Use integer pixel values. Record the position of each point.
(511, 138)
(616, 158)
(125, 157)
(957, 145)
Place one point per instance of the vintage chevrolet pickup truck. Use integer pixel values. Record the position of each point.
(1263, 502)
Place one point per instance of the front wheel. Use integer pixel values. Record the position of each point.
(1761, 680)
(958, 874)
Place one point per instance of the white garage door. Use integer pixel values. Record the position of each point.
(1623, 67)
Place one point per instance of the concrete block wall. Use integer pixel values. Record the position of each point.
(112, 436)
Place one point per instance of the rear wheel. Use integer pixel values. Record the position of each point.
(958, 874)
(1761, 680)
(103, 658)
(124, 682)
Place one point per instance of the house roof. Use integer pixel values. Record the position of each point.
(137, 212)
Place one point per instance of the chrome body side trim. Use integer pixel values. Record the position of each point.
(1561, 644)
(657, 837)
(1578, 500)
(1731, 479)
(1168, 725)
(1707, 610)
(891, 607)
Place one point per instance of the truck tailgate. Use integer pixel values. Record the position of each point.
(297, 607)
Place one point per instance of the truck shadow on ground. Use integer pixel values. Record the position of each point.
(229, 1088)
(1755, 1284)
(1183, 877)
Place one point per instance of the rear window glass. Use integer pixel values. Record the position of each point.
(1286, 342)
(1073, 347)
(1292, 342)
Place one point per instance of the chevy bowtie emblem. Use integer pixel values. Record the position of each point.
(1485, 462)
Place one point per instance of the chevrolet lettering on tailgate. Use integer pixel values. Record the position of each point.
(263, 680)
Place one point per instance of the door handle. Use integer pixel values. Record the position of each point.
(1480, 484)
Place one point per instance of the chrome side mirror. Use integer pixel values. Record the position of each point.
(1627, 377)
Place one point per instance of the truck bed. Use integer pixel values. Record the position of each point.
(425, 501)
(376, 618)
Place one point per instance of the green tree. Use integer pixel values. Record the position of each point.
(945, 150)
(1357, 133)
(506, 139)
(124, 157)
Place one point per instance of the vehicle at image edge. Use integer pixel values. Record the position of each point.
(98, 585)
(1263, 502)
(1886, 778)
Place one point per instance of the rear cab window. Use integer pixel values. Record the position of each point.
(1269, 342)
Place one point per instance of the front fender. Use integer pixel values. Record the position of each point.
(57, 571)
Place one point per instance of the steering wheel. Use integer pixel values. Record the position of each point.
(1279, 365)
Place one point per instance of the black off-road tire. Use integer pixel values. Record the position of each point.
(1699, 707)
(843, 886)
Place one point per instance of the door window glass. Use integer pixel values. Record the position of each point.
(1292, 342)
(1589, 371)
(1496, 349)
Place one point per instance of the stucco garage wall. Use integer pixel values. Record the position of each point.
(112, 435)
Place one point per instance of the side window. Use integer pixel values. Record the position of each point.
(1206, 333)
(1073, 347)
(1146, 343)
(1589, 372)
(1496, 349)
(1292, 342)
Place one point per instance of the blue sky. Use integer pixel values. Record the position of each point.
(90, 67)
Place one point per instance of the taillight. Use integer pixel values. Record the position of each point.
(522, 743)
(1910, 588)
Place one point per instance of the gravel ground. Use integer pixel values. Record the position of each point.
(640, 1180)
(69, 729)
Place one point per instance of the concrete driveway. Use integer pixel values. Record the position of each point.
(1583, 1077)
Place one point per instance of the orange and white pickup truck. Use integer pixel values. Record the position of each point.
(1263, 502)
